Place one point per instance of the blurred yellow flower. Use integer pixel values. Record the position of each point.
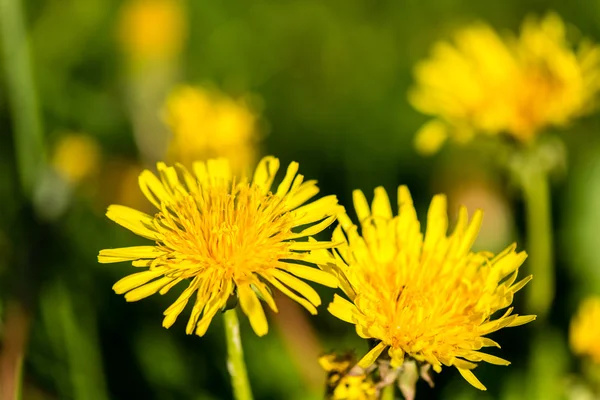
(76, 157)
(207, 124)
(486, 84)
(584, 333)
(429, 298)
(152, 29)
(223, 237)
(345, 381)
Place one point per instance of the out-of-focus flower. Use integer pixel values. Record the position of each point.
(584, 333)
(152, 29)
(486, 84)
(429, 298)
(345, 381)
(206, 124)
(76, 157)
(464, 85)
(224, 237)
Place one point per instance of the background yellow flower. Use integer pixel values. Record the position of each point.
(487, 84)
(584, 332)
(76, 157)
(152, 29)
(206, 124)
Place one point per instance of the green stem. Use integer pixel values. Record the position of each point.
(80, 343)
(388, 392)
(28, 138)
(539, 241)
(235, 357)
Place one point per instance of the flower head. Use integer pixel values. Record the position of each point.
(426, 297)
(584, 333)
(152, 29)
(487, 84)
(224, 237)
(206, 124)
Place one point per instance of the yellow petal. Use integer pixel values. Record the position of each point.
(134, 280)
(495, 325)
(437, 223)
(519, 285)
(216, 302)
(171, 316)
(317, 210)
(471, 233)
(253, 309)
(311, 274)
(265, 173)
(470, 377)
(477, 356)
(361, 206)
(168, 287)
(136, 221)
(285, 185)
(190, 181)
(264, 291)
(486, 342)
(342, 309)
(169, 178)
(381, 204)
(371, 356)
(152, 188)
(522, 320)
(301, 195)
(147, 290)
(177, 307)
(128, 254)
(303, 302)
(297, 285)
(314, 229)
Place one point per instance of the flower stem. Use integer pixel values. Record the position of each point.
(75, 336)
(235, 357)
(27, 125)
(539, 241)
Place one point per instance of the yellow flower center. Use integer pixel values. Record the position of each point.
(240, 233)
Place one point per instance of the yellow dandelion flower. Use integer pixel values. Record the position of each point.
(224, 237)
(345, 381)
(463, 85)
(152, 29)
(206, 124)
(76, 157)
(584, 332)
(426, 297)
(487, 84)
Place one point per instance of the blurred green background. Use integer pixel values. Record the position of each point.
(330, 79)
